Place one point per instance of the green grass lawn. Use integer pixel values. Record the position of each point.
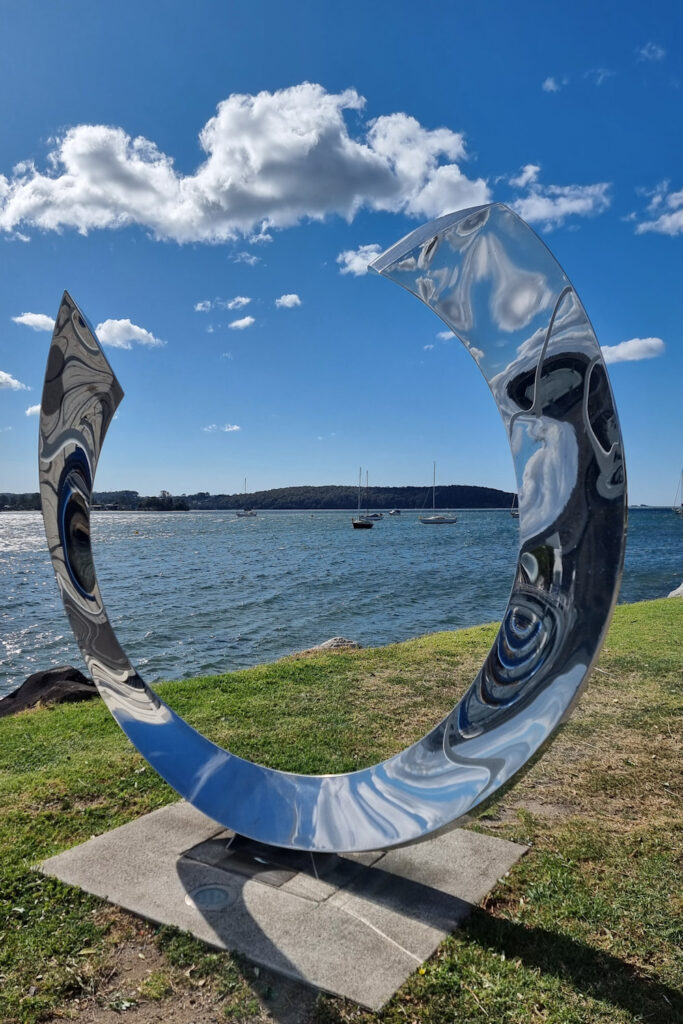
(586, 928)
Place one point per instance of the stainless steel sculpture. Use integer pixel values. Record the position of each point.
(496, 285)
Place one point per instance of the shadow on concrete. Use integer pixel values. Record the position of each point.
(396, 920)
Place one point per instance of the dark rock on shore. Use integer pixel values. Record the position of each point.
(53, 686)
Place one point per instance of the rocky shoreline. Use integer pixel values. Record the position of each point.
(65, 684)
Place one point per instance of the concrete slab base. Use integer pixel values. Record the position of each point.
(354, 925)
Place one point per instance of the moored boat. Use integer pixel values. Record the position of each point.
(246, 513)
(437, 519)
(361, 522)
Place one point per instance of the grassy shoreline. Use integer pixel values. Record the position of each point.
(585, 928)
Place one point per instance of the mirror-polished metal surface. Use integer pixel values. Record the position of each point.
(495, 284)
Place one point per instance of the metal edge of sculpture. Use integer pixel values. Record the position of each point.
(492, 281)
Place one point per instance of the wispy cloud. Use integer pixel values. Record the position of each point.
(33, 410)
(634, 350)
(207, 305)
(5, 430)
(288, 301)
(445, 335)
(10, 382)
(599, 75)
(240, 325)
(227, 355)
(36, 321)
(550, 84)
(428, 348)
(355, 261)
(246, 257)
(260, 236)
(331, 159)
(527, 176)
(125, 334)
(227, 428)
(666, 211)
(651, 52)
(551, 205)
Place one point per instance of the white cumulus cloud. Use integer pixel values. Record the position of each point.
(203, 307)
(238, 302)
(355, 261)
(445, 335)
(633, 350)
(288, 301)
(239, 325)
(36, 321)
(270, 161)
(8, 381)
(550, 84)
(33, 410)
(124, 334)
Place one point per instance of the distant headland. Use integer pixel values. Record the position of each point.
(304, 498)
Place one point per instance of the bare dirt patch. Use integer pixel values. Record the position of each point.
(137, 985)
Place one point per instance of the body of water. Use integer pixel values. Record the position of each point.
(206, 592)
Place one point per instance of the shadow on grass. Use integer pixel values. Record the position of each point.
(591, 971)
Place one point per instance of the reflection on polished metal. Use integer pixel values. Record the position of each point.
(494, 283)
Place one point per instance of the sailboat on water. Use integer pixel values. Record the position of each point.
(434, 519)
(246, 513)
(677, 506)
(360, 522)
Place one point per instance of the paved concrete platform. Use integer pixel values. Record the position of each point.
(355, 925)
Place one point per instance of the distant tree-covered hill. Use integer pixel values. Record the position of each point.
(346, 497)
(326, 497)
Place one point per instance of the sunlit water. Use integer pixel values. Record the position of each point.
(205, 592)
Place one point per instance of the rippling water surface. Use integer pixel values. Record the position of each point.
(204, 592)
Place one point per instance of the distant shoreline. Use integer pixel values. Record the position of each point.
(348, 508)
(304, 498)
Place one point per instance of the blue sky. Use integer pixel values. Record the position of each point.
(167, 162)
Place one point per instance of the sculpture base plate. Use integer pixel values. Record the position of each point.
(354, 925)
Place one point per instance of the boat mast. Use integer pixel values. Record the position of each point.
(434, 489)
(360, 477)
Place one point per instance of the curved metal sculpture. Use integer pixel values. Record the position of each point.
(494, 283)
